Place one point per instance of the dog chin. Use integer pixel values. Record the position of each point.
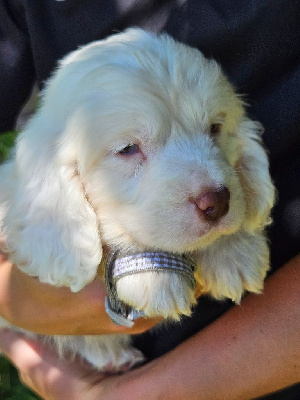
(208, 236)
(199, 242)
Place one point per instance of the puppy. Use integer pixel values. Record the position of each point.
(140, 144)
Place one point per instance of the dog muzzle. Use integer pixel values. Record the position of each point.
(118, 266)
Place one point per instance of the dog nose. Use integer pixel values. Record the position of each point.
(213, 203)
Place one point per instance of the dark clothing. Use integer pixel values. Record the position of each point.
(257, 42)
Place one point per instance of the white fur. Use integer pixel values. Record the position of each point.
(67, 191)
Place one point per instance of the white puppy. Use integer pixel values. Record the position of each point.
(140, 143)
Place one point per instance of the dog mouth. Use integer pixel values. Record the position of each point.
(178, 229)
(204, 235)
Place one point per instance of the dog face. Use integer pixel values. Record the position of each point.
(161, 173)
(140, 143)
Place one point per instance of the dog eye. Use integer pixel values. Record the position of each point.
(130, 149)
(215, 129)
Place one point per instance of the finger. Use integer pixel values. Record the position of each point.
(17, 349)
(42, 370)
(24, 355)
(36, 372)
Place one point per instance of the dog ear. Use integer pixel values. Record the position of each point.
(253, 171)
(52, 230)
(240, 261)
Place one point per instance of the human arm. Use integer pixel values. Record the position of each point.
(32, 305)
(250, 351)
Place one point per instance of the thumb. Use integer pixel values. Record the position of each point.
(41, 369)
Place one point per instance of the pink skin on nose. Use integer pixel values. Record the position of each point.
(213, 203)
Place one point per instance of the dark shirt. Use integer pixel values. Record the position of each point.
(257, 42)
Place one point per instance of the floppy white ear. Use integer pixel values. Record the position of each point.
(240, 261)
(253, 170)
(52, 230)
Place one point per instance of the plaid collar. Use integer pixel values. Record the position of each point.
(118, 266)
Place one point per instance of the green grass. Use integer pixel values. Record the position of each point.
(6, 142)
(10, 386)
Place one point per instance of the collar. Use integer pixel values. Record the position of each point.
(119, 265)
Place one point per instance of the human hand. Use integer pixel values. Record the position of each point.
(249, 333)
(55, 378)
(45, 373)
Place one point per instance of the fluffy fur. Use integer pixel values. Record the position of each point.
(70, 188)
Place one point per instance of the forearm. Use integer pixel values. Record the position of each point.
(250, 351)
(32, 305)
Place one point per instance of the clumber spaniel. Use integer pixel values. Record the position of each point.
(140, 144)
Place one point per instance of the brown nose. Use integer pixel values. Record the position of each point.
(213, 203)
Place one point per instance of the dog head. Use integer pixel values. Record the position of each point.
(140, 143)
